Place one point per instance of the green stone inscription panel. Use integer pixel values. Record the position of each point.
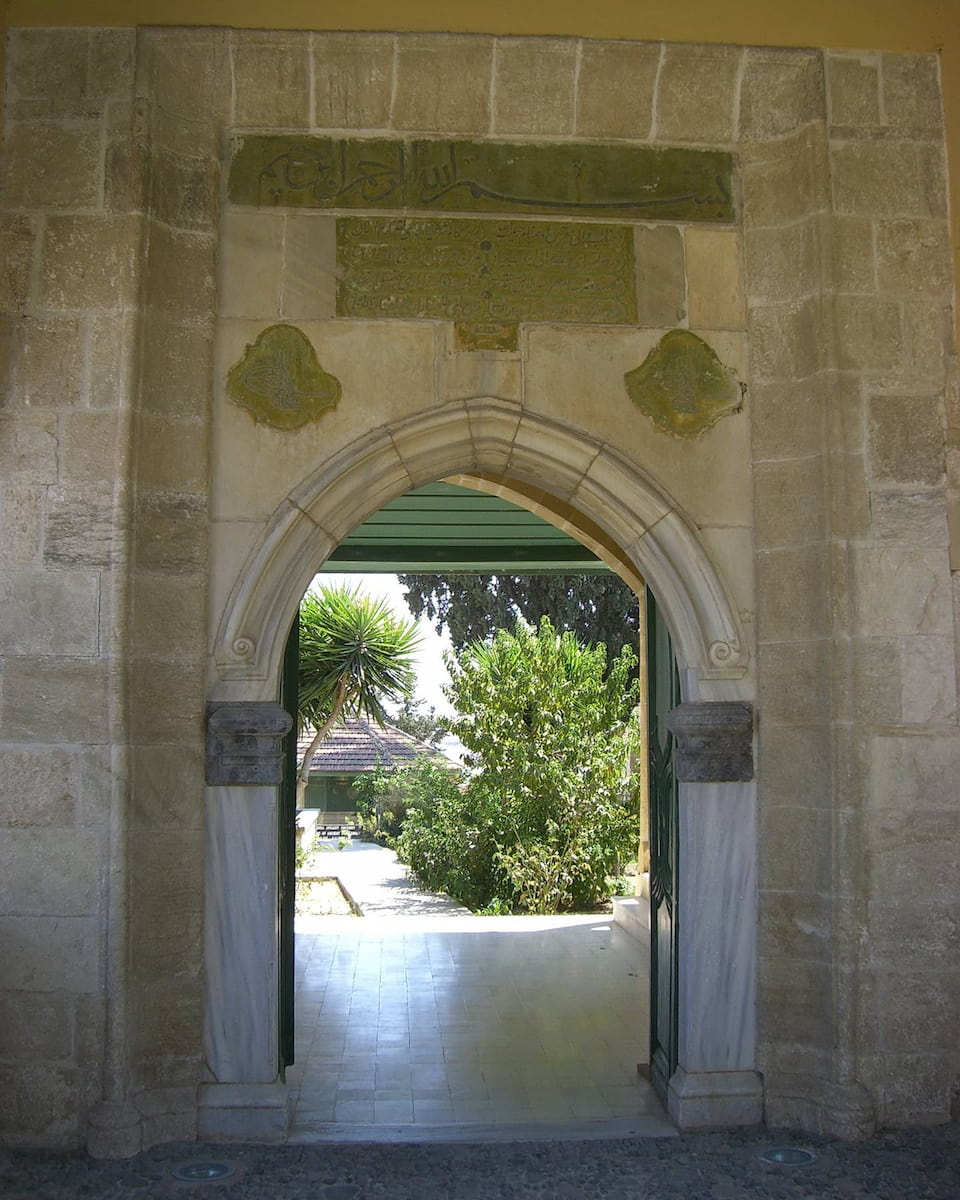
(486, 272)
(458, 175)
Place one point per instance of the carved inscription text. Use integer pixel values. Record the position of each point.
(474, 271)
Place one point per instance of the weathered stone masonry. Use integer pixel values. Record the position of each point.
(134, 498)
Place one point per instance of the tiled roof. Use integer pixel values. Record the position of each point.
(361, 745)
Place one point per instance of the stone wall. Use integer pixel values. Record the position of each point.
(132, 493)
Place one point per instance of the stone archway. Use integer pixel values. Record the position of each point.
(629, 520)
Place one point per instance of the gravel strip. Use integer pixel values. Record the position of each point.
(911, 1165)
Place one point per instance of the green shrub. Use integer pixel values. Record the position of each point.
(546, 815)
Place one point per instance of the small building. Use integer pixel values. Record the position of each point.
(353, 748)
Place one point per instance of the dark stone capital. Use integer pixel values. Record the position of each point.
(714, 741)
(245, 741)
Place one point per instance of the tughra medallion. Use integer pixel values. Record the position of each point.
(279, 381)
(682, 386)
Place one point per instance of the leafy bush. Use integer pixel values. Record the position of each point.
(546, 815)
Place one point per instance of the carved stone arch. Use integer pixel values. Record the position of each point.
(605, 500)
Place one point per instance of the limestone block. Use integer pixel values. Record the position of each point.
(911, 93)
(21, 526)
(53, 873)
(784, 180)
(793, 681)
(913, 257)
(52, 166)
(913, 934)
(791, 594)
(796, 926)
(854, 256)
(170, 532)
(796, 855)
(443, 83)
(94, 447)
(172, 456)
(927, 339)
(696, 93)
(176, 367)
(869, 333)
(430, 450)
(932, 175)
(714, 278)
(188, 74)
(167, 791)
(89, 262)
(84, 528)
(875, 178)
(38, 786)
(48, 369)
(902, 592)
(171, 1026)
(40, 1108)
(909, 518)
(795, 1006)
(853, 89)
(99, 787)
(353, 80)
(849, 500)
(28, 447)
(534, 86)
(16, 256)
(309, 285)
(780, 91)
(608, 106)
(49, 612)
(111, 350)
(906, 440)
(785, 340)
(250, 264)
(912, 774)
(917, 1088)
(788, 507)
(180, 273)
(67, 72)
(167, 907)
(55, 700)
(35, 1026)
(794, 764)
(166, 701)
(168, 616)
(786, 418)
(928, 681)
(661, 288)
(271, 73)
(913, 851)
(183, 189)
(781, 263)
(50, 954)
(464, 375)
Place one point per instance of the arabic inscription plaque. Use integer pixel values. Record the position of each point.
(459, 175)
(485, 273)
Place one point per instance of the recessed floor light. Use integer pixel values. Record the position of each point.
(787, 1156)
(203, 1172)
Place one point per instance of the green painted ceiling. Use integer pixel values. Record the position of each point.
(446, 528)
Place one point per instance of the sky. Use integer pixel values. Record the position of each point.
(431, 673)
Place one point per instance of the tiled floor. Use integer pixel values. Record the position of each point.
(450, 1020)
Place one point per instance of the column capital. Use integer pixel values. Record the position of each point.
(714, 741)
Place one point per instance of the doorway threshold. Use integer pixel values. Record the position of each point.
(646, 1126)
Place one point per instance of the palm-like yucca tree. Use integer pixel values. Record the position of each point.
(355, 654)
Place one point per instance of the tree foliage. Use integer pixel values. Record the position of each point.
(356, 655)
(545, 814)
(421, 723)
(596, 608)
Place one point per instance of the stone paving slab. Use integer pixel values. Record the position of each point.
(378, 882)
(912, 1165)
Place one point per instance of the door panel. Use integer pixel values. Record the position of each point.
(286, 848)
(663, 684)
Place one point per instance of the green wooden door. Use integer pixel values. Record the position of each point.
(286, 848)
(663, 684)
